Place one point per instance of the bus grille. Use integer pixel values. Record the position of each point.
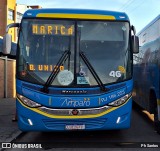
(60, 124)
(68, 112)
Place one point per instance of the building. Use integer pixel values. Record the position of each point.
(21, 8)
(10, 12)
(7, 11)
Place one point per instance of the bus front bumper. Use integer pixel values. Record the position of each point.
(34, 120)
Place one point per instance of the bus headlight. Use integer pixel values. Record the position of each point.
(27, 101)
(120, 101)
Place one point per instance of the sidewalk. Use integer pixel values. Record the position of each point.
(8, 129)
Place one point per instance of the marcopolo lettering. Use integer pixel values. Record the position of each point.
(73, 92)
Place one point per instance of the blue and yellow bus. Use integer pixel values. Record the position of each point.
(146, 71)
(74, 69)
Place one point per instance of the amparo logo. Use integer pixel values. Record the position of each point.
(75, 103)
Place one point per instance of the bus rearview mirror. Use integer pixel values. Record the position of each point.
(7, 40)
(135, 44)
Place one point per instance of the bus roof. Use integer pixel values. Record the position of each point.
(148, 25)
(76, 14)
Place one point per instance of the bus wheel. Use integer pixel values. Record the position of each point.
(154, 110)
(156, 121)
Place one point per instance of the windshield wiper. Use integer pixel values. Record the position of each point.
(95, 75)
(56, 70)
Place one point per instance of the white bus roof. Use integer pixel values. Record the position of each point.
(148, 25)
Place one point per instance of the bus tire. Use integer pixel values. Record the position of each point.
(156, 121)
(154, 110)
(152, 101)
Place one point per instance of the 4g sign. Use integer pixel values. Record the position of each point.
(115, 74)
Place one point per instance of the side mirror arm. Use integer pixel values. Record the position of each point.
(133, 29)
(12, 25)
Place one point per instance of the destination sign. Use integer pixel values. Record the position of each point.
(52, 29)
(33, 67)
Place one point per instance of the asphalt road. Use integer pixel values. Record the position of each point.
(141, 132)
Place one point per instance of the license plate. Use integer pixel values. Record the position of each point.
(75, 127)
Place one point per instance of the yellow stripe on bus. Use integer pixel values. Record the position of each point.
(72, 117)
(76, 16)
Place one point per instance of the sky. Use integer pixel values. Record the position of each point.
(140, 12)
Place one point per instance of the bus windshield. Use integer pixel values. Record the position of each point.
(43, 43)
